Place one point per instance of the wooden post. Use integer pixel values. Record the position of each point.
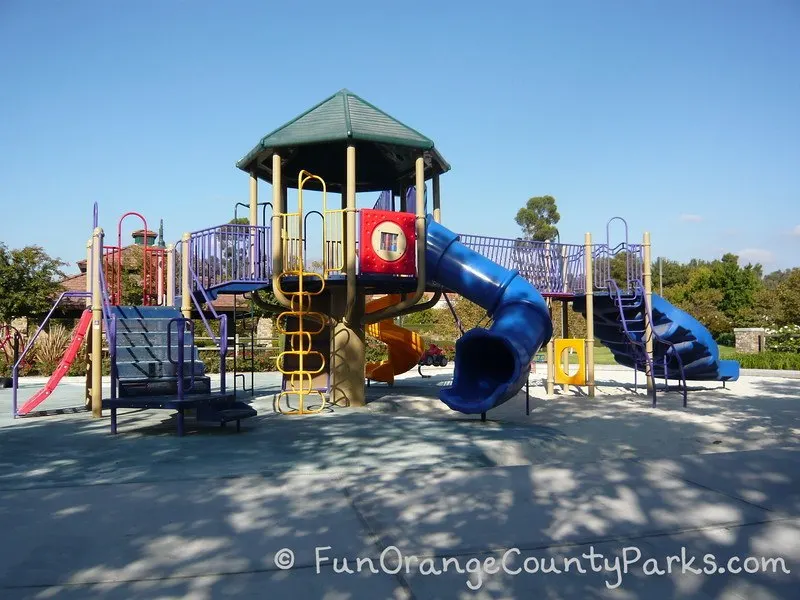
(347, 308)
(437, 200)
(648, 293)
(97, 325)
(587, 252)
(186, 277)
(171, 275)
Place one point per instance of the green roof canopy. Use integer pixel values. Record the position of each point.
(317, 140)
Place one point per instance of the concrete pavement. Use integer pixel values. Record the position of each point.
(145, 514)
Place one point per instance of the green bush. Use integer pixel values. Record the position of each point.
(726, 339)
(423, 318)
(375, 351)
(785, 339)
(769, 360)
(262, 362)
(50, 347)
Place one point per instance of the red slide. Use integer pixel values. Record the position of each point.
(63, 366)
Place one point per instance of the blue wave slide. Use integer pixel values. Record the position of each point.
(492, 364)
(678, 334)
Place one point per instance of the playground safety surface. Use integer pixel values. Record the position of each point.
(144, 514)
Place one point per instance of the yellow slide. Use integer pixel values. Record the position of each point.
(405, 346)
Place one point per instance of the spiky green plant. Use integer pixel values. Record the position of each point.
(50, 348)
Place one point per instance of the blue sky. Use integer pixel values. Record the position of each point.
(681, 116)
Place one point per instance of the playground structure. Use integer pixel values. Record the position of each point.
(397, 249)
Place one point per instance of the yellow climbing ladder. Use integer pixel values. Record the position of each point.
(309, 323)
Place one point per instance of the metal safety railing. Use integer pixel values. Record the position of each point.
(230, 254)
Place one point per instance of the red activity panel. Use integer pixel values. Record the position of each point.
(388, 240)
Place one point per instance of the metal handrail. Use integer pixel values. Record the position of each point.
(641, 345)
(670, 345)
(110, 322)
(181, 323)
(223, 326)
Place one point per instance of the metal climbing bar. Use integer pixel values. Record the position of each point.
(307, 322)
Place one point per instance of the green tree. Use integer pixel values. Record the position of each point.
(538, 218)
(29, 282)
(738, 285)
(132, 269)
(788, 296)
(671, 273)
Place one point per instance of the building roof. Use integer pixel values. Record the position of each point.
(316, 141)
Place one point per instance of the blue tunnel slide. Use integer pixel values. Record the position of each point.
(492, 364)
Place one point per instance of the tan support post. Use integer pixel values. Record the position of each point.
(186, 278)
(89, 272)
(253, 199)
(350, 234)
(437, 200)
(160, 276)
(412, 299)
(648, 293)
(278, 208)
(253, 220)
(587, 252)
(171, 275)
(347, 309)
(97, 325)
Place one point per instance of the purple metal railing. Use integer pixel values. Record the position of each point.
(223, 326)
(638, 342)
(179, 364)
(231, 253)
(550, 267)
(604, 260)
(669, 350)
(110, 323)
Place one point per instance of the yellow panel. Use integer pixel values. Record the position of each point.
(579, 347)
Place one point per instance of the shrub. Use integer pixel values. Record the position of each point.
(726, 339)
(785, 339)
(262, 362)
(375, 351)
(50, 348)
(769, 360)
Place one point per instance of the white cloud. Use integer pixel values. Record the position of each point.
(755, 255)
(689, 218)
(796, 231)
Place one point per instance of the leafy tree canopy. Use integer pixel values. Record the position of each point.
(538, 218)
(29, 282)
